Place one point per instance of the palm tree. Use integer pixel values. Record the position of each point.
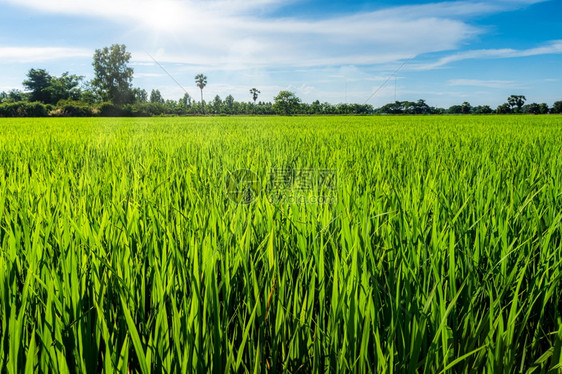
(201, 81)
(255, 92)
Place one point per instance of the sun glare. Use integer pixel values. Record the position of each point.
(165, 16)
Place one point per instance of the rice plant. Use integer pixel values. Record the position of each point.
(122, 249)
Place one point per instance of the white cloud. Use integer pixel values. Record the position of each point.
(553, 47)
(235, 34)
(35, 54)
(149, 75)
(363, 39)
(458, 8)
(483, 83)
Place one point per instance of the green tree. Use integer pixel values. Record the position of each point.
(455, 109)
(392, 108)
(186, 100)
(484, 109)
(140, 95)
(156, 97)
(255, 93)
(557, 107)
(14, 96)
(36, 84)
(420, 107)
(229, 102)
(286, 103)
(171, 106)
(64, 87)
(533, 108)
(49, 89)
(88, 94)
(503, 109)
(216, 104)
(544, 108)
(201, 81)
(466, 108)
(113, 76)
(516, 100)
(315, 107)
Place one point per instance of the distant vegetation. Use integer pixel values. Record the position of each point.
(111, 93)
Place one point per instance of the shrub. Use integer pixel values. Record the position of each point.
(24, 109)
(71, 108)
(153, 109)
(110, 110)
(137, 110)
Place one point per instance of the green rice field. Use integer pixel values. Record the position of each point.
(141, 245)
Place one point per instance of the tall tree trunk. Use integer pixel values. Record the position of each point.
(202, 104)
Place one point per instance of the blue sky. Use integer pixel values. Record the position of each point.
(337, 51)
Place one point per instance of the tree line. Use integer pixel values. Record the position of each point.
(111, 93)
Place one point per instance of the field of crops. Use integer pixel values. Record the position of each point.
(125, 246)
